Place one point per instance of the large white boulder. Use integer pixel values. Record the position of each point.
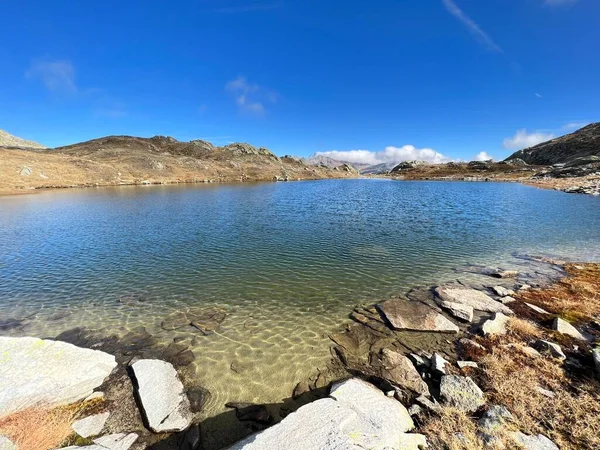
(45, 372)
(355, 416)
(161, 392)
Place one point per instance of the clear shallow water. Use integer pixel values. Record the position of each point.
(288, 261)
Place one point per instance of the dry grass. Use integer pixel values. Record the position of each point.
(40, 428)
(571, 419)
(523, 329)
(575, 298)
(453, 429)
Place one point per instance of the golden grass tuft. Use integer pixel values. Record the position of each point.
(523, 329)
(452, 429)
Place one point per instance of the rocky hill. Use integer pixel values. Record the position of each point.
(583, 143)
(120, 160)
(8, 140)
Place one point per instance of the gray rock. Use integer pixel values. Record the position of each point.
(468, 343)
(529, 351)
(461, 392)
(438, 364)
(500, 273)
(412, 441)
(463, 364)
(165, 405)
(399, 370)
(550, 348)
(91, 425)
(536, 308)
(476, 299)
(49, 372)
(25, 171)
(408, 315)
(99, 396)
(355, 416)
(7, 444)
(545, 392)
(119, 441)
(502, 291)
(419, 361)
(596, 357)
(564, 327)
(428, 404)
(494, 419)
(495, 326)
(539, 442)
(506, 300)
(415, 410)
(458, 310)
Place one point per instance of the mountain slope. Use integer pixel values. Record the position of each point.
(120, 160)
(582, 143)
(8, 140)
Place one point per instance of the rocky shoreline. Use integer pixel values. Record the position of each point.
(414, 365)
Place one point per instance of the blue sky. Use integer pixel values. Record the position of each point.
(431, 79)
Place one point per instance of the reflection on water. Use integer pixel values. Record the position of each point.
(286, 261)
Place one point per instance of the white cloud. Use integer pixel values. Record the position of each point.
(56, 75)
(538, 95)
(250, 97)
(523, 139)
(389, 154)
(572, 126)
(472, 26)
(247, 8)
(482, 156)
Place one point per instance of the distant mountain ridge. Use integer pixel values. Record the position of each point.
(583, 143)
(8, 140)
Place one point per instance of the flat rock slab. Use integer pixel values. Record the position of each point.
(355, 416)
(458, 310)
(461, 392)
(536, 308)
(478, 300)
(206, 320)
(51, 373)
(165, 405)
(91, 425)
(408, 315)
(7, 444)
(119, 441)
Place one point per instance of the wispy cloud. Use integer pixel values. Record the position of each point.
(472, 26)
(523, 139)
(250, 98)
(56, 75)
(483, 156)
(251, 7)
(388, 155)
(538, 95)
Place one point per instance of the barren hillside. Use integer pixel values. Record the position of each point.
(119, 160)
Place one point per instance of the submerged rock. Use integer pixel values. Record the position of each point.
(407, 315)
(356, 415)
(251, 412)
(206, 320)
(461, 393)
(564, 327)
(399, 370)
(165, 405)
(48, 372)
(476, 299)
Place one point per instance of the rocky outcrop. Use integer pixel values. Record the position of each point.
(471, 297)
(580, 144)
(165, 405)
(356, 415)
(415, 316)
(8, 140)
(48, 372)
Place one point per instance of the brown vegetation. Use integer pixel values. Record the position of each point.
(560, 400)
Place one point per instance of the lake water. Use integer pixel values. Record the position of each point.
(287, 261)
